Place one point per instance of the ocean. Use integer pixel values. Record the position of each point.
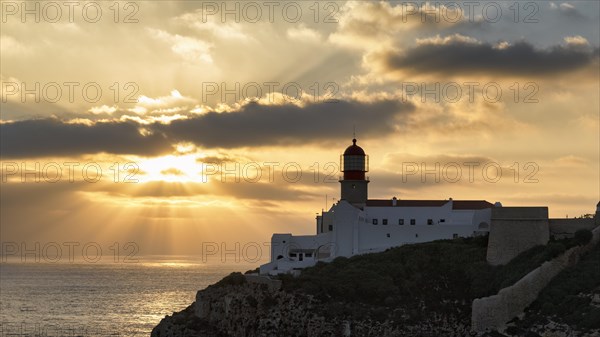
(107, 299)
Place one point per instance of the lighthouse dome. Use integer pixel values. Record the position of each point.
(354, 150)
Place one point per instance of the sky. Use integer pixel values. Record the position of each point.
(179, 125)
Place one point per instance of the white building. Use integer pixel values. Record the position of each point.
(358, 225)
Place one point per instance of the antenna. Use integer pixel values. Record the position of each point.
(354, 131)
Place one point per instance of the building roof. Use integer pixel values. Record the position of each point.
(471, 204)
(354, 150)
(456, 204)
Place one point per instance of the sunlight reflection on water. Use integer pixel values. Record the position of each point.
(92, 299)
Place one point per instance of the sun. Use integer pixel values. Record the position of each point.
(171, 168)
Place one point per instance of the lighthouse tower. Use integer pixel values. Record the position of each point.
(354, 164)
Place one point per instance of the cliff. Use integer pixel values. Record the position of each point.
(417, 290)
(254, 310)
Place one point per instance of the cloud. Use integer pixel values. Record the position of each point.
(411, 171)
(256, 125)
(303, 33)
(567, 10)
(571, 160)
(190, 49)
(461, 55)
(173, 103)
(448, 40)
(13, 47)
(104, 109)
(577, 40)
(211, 27)
(369, 25)
(52, 137)
(172, 171)
(251, 125)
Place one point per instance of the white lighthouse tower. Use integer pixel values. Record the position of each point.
(354, 163)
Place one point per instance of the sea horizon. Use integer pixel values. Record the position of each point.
(100, 299)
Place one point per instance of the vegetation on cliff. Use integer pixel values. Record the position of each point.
(571, 298)
(415, 280)
(414, 290)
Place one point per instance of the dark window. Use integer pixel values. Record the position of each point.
(374, 221)
(455, 236)
(413, 221)
(416, 235)
(442, 220)
(400, 221)
(330, 228)
(430, 221)
(308, 254)
(384, 221)
(388, 235)
(293, 255)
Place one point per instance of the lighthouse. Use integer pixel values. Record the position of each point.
(357, 225)
(354, 163)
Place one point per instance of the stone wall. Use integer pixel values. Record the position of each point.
(514, 230)
(564, 228)
(495, 311)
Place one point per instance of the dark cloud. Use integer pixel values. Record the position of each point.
(256, 125)
(252, 125)
(459, 57)
(52, 137)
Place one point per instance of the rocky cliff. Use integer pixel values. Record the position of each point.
(415, 290)
(254, 310)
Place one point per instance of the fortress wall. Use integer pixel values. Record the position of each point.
(565, 228)
(514, 230)
(495, 311)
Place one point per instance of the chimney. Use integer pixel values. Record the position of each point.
(394, 201)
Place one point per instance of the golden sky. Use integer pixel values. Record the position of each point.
(224, 121)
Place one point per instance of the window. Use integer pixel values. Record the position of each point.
(455, 236)
(293, 255)
(354, 163)
(430, 221)
(374, 221)
(388, 235)
(308, 254)
(413, 222)
(442, 220)
(401, 222)
(330, 228)
(384, 222)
